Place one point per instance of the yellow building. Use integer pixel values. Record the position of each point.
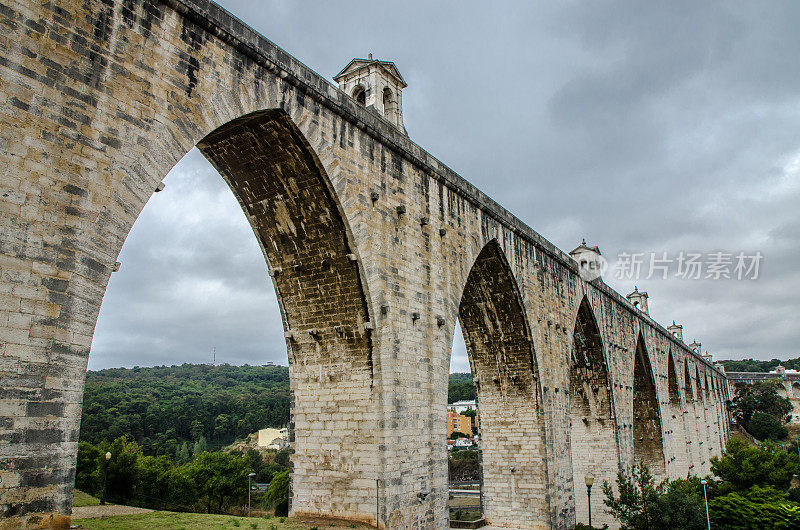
(458, 423)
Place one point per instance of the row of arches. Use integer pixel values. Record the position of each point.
(363, 429)
(795, 391)
(297, 217)
(503, 362)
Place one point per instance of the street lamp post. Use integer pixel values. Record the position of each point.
(705, 496)
(589, 480)
(249, 489)
(105, 478)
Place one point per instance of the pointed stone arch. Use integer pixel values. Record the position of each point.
(503, 363)
(680, 449)
(672, 381)
(593, 433)
(288, 200)
(702, 422)
(712, 426)
(648, 444)
(688, 388)
(694, 447)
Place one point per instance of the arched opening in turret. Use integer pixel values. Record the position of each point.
(389, 105)
(503, 363)
(648, 444)
(593, 438)
(360, 95)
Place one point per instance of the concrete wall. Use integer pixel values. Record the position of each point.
(375, 249)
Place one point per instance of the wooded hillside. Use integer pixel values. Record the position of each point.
(164, 408)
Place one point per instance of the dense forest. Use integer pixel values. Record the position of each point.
(178, 410)
(460, 388)
(751, 365)
(166, 408)
(165, 427)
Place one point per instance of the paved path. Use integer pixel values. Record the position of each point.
(92, 512)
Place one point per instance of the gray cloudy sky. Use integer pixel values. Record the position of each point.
(641, 126)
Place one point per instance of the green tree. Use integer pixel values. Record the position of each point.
(740, 467)
(184, 453)
(154, 478)
(464, 465)
(88, 476)
(642, 504)
(754, 509)
(200, 446)
(683, 505)
(277, 496)
(282, 457)
(182, 491)
(455, 435)
(196, 430)
(765, 426)
(220, 477)
(460, 388)
(761, 396)
(122, 470)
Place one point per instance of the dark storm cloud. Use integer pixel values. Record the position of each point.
(642, 126)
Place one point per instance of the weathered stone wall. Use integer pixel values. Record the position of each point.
(593, 434)
(505, 372)
(370, 241)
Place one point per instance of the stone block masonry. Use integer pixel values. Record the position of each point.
(375, 249)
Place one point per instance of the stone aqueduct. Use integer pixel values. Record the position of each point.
(376, 249)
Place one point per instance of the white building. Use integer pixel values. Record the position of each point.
(461, 406)
(276, 439)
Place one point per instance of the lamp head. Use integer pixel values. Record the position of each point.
(251, 475)
(108, 456)
(588, 479)
(704, 482)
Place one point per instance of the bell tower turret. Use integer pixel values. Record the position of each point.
(377, 85)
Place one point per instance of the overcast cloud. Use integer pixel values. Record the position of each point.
(641, 126)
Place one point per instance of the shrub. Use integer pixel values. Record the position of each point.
(642, 504)
(754, 509)
(767, 427)
(741, 467)
(277, 496)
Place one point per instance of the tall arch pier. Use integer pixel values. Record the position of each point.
(375, 248)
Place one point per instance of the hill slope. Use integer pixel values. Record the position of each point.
(164, 406)
(751, 365)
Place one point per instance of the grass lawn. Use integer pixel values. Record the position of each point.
(84, 499)
(197, 521)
